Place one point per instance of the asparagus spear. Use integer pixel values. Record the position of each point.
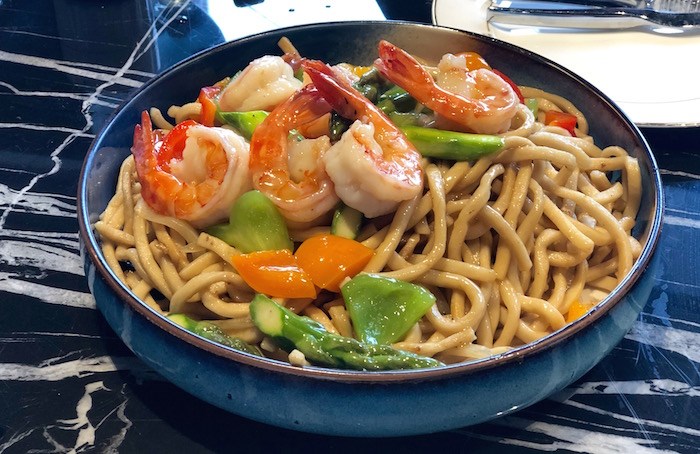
(460, 146)
(212, 332)
(327, 349)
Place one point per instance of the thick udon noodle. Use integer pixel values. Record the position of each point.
(506, 243)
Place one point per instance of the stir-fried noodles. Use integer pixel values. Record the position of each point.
(511, 244)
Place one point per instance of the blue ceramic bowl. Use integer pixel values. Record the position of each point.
(365, 403)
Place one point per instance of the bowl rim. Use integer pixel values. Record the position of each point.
(90, 244)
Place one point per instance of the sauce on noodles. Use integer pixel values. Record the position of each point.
(513, 245)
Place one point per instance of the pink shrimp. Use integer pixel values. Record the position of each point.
(192, 172)
(373, 166)
(478, 100)
(301, 196)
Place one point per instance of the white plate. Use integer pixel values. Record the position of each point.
(651, 76)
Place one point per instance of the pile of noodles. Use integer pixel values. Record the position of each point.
(506, 243)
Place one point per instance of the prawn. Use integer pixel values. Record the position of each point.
(373, 166)
(265, 83)
(192, 172)
(302, 191)
(476, 100)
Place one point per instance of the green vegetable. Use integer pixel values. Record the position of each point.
(337, 126)
(255, 224)
(243, 122)
(212, 332)
(299, 74)
(383, 309)
(402, 119)
(369, 91)
(327, 349)
(346, 222)
(373, 76)
(531, 104)
(459, 146)
(387, 106)
(401, 100)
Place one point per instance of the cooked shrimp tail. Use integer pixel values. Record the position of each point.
(477, 100)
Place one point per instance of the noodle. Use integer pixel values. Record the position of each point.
(507, 243)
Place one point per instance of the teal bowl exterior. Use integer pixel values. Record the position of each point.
(353, 403)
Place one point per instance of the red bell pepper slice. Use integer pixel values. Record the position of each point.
(562, 119)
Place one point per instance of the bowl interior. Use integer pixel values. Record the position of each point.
(357, 43)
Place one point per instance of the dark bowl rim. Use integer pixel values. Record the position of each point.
(90, 243)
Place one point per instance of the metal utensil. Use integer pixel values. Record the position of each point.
(621, 14)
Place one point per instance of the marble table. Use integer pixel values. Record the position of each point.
(69, 385)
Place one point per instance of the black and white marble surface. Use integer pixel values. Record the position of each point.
(69, 385)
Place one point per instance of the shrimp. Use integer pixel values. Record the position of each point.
(302, 190)
(476, 101)
(192, 172)
(265, 83)
(373, 166)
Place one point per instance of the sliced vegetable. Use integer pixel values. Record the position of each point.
(330, 259)
(369, 76)
(212, 332)
(346, 222)
(401, 119)
(299, 74)
(207, 99)
(400, 99)
(243, 122)
(474, 61)
(360, 71)
(274, 273)
(337, 125)
(532, 104)
(254, 224)
(322, 348)
(577, 310)
(562, 119)
(369, 91)
(459, 146)
(383, 309)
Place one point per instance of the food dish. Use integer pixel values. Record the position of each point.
(622, 64)
(407, 259)
(221, 373)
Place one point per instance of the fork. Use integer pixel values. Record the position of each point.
(620, 14)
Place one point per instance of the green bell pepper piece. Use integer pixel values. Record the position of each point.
(254, 224)
(243, 122)
(383, 309)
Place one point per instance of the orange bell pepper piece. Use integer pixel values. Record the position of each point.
(474, 61)
(329, 259)
(206, 99)
(576, 311)
(274, 273)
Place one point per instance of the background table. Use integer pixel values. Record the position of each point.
(68, 384)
